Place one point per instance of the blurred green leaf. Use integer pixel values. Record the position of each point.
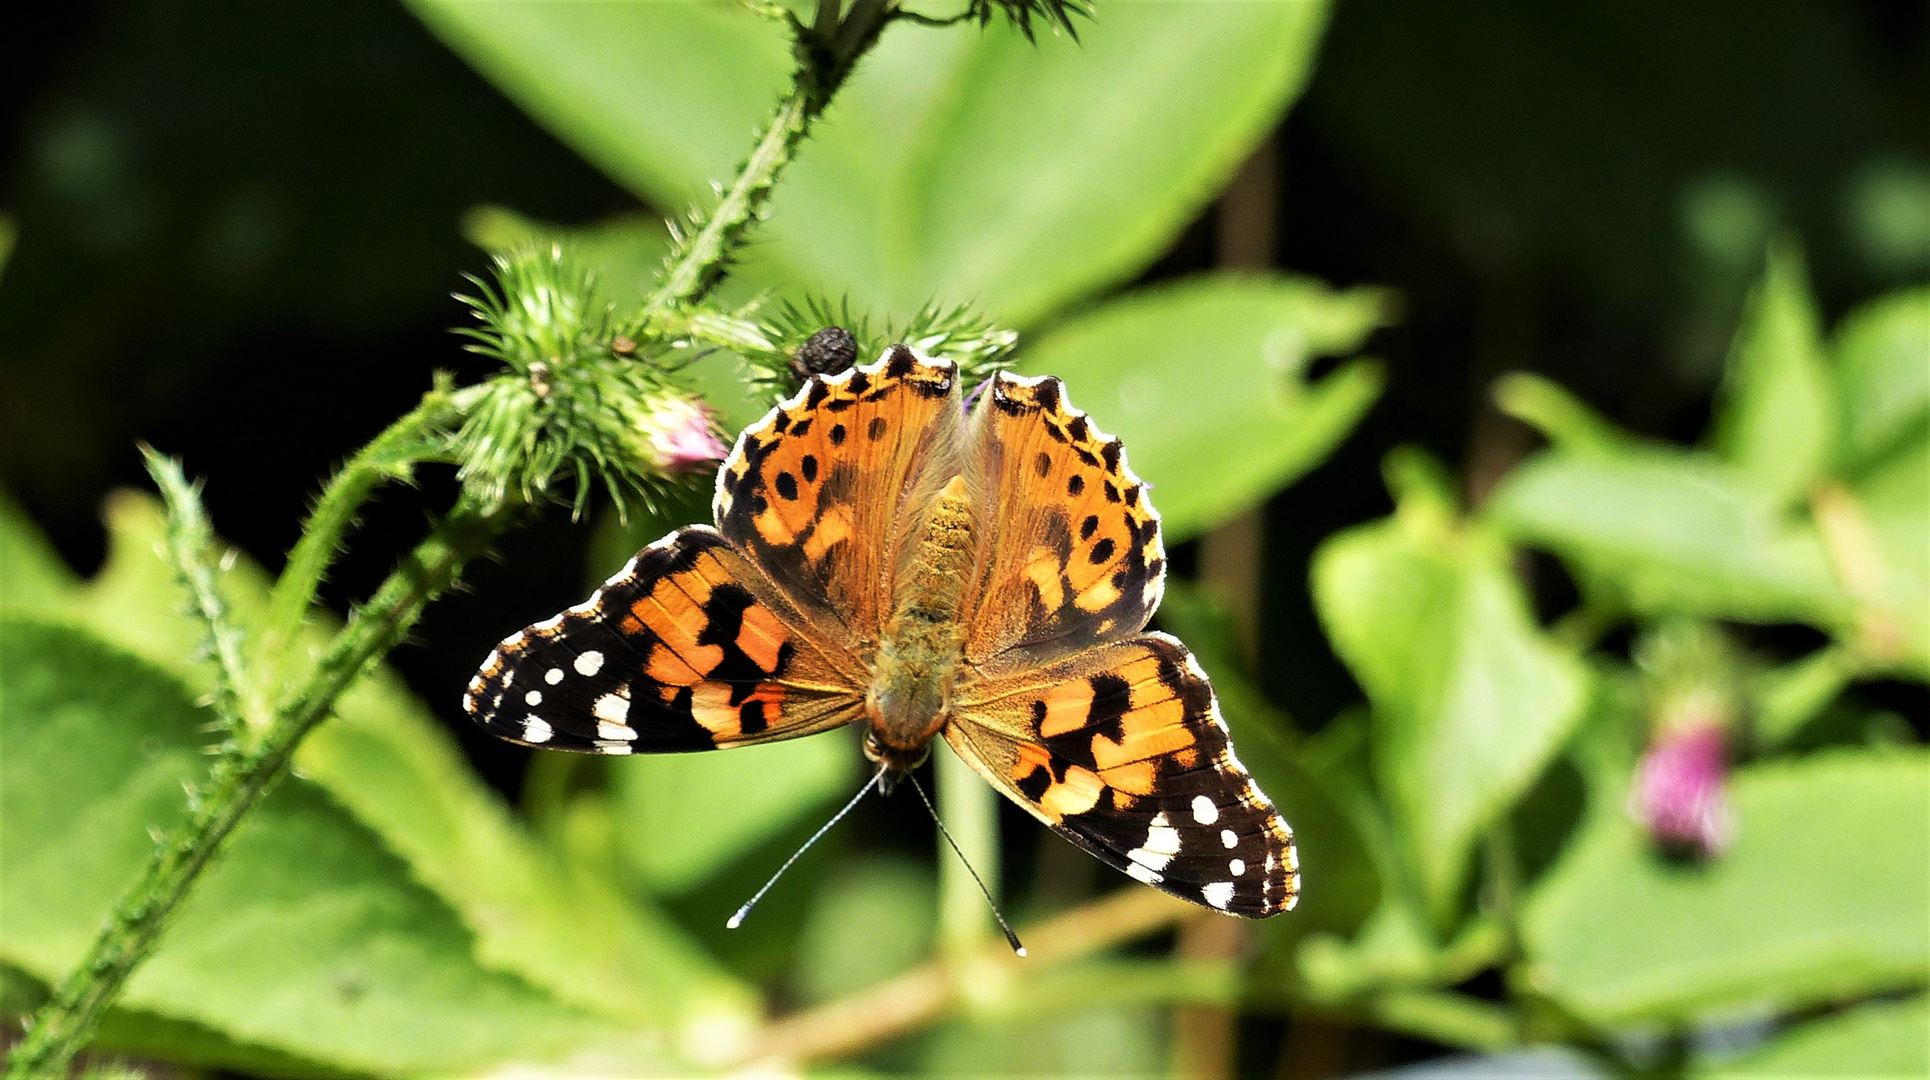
(742, 797)
(1677, 532)
(394, 767)
(1777, 416)
(308, 937)
(871, 919)
(1085, 1043)
(1821, 898)
(1883, 374)
(1892, 498)
(1470, 699)
(1890, 1038)
(32, 577)
(962, 166)
(1205, 384)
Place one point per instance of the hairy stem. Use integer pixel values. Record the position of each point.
(970, 809)
(63, 1025)
(826, 52)
(188, 543)
(391, 456)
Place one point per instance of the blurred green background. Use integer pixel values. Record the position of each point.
(1288, 252)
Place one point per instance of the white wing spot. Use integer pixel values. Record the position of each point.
(1229, 839)
(508, 676)
(614, 732)
(553, 676)
(613, 708)
(1219, 894)
(1204, 811)
(534, 697)
(589, 663)
(536, 730)
(1237, 867)
(1146, 874)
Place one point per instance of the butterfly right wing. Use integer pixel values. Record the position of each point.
(685, 649)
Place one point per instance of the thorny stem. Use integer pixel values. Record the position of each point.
(391, 456)
(62, 1026)
(826, 53)
(188, 543)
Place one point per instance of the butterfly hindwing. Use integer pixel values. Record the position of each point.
(1075, 559)
(816, 494)
(1121, 749)
(681, 650)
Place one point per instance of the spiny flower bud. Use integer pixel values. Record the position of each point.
(679, 436)
(1679, 794)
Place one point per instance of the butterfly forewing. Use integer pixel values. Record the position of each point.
(1121, 749)
(684, 649)
(818, 494)
(1072, 555)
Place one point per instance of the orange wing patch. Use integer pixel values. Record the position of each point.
(677, 652)
(815, 493)
(1121, 750)
(1076, 560)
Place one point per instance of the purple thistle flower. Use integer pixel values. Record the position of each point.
(1679, 794)
(681, 437)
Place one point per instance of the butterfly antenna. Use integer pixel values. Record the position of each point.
(737, 920)
(1010, 938)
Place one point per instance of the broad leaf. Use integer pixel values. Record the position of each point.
(308, 937)
(1890, 1038)
(956, 165)
(1676, 532)
(390, 764)
(1777, 419)
(1470, 699)
(1883, 372)
(1821, 898)
(1206, 385)
(1890, 549)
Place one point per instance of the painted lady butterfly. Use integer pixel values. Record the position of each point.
(888, 552)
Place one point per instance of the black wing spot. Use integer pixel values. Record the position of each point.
(809, 467)
(837, 434)
(1038, 716)
(876, 430)
(1075, 485)
(1101, 551)
(1048, 392)
(900, 363)
(1110, 451)
(1089, 526)
(1043, 463)
(1035, 784)
(787, 485)
(802, 427)
(1078, 428)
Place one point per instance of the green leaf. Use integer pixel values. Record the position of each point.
(623, 253)
(959, 165)
(1893, 500)
(1777, 418)
(1883, 374)
(392, 765)
(1676, 532)
(1821, 898)
(32, 577)
(1889, 1038)
(1470, 699)
(741, 799)
(1205, 384)
(872, 919)
(308, 937)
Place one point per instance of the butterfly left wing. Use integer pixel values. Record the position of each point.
(684, 649)
(1121, 750)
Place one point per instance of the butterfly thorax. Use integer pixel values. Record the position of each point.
(918, 658)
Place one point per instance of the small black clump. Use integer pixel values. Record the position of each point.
(826, 352)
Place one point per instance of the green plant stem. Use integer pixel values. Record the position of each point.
(189, 541)
(392, 455)
(826, 52)
(970, 809)
(63, 1025)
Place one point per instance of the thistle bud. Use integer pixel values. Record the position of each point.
(680, 437)
(1680, 793)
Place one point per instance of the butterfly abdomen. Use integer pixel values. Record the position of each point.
(918, 659)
